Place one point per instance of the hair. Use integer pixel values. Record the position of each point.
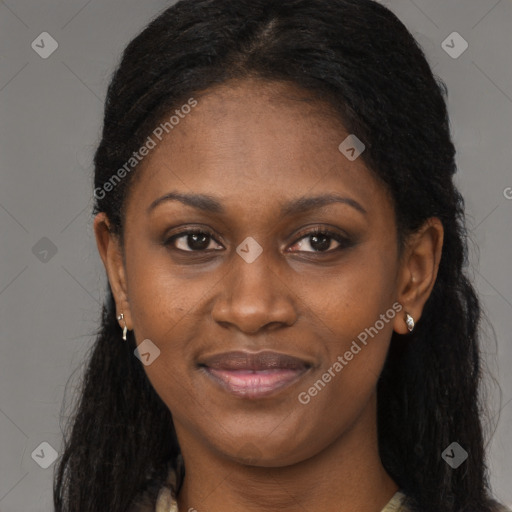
(360, 60)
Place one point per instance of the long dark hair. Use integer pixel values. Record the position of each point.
(357, 57)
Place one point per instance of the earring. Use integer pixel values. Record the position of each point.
(125, 329)
(409, 320)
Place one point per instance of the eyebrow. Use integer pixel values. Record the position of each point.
(209, 204)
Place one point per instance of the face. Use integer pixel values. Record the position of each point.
(257, 296)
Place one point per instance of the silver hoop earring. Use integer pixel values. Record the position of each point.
(125, 329)
(409, 320)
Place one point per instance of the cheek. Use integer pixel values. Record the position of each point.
(351, 297)
(170, 306)
(161, 297)
(164, 309)
(356, 307)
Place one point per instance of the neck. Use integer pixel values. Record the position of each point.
(346, 476)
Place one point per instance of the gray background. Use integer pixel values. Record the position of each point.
(51, 113)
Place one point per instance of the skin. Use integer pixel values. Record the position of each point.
(254, 146)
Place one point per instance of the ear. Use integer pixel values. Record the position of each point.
(112, 257)
(418, 271)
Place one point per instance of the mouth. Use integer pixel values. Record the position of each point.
(254, 375)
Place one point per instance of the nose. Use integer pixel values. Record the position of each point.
(254, 297)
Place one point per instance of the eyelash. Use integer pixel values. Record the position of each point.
(342, 240)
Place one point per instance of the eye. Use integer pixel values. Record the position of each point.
(192, 240)
(320, 240)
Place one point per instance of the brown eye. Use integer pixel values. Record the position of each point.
(320, 240)
(192, 240)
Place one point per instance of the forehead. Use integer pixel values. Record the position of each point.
(255, 144)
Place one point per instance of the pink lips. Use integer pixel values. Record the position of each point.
(254, 375)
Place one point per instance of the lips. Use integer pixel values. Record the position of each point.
(254, 375)
(255, 361)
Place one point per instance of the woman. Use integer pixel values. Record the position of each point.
(288, 324)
